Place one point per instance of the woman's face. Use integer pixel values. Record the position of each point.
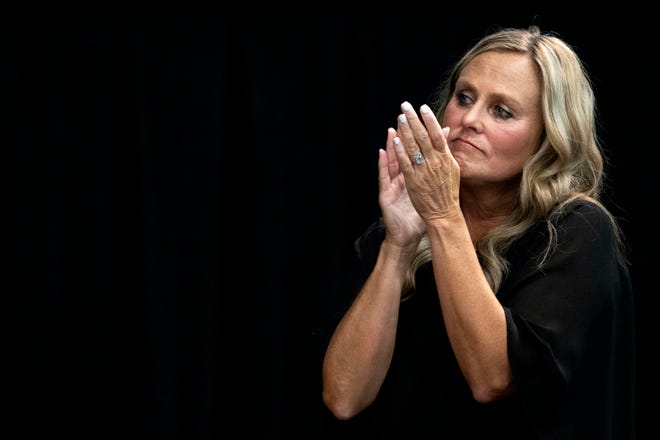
(495, 117)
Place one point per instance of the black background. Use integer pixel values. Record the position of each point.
(186, 191)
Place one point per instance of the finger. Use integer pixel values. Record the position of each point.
(407, 140)
(405, 163)
(437, 134)
(417, 136)
(388, 165)
(383, 174)
(392, 161)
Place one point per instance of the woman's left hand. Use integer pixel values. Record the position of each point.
(431, 173)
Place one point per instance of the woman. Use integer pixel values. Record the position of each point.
(494, 298)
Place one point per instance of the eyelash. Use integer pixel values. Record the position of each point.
(499, 111)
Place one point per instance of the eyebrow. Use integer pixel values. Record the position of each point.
(465, 84)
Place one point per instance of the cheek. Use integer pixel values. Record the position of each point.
(516, 141)
(513, 147)
(452, 117)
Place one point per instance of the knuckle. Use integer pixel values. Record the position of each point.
(423, 137)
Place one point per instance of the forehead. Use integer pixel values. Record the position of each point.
(507, 74)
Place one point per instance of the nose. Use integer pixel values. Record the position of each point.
(473, 117)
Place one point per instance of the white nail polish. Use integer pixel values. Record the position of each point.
(406, 107)
(402, 118)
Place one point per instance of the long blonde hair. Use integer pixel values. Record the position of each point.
(568, 164)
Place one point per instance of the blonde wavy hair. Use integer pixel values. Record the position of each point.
(569, 162)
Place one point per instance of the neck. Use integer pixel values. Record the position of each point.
(485, 210)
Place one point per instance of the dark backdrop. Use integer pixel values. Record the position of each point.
(187, 191)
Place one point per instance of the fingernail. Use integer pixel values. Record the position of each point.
(425, 109)
(406, 107)
(402, 118)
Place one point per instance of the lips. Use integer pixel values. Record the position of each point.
(465, 142)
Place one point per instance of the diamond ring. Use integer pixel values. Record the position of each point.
(418, 158)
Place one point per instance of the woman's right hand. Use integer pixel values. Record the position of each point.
(404, 227)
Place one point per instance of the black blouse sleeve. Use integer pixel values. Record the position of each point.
(570, 322)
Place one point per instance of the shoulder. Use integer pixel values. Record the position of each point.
(584, 208)
(580, 227)
(584, 218)
(587, 228)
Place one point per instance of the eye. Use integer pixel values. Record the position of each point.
(502, 113)
(463, 99)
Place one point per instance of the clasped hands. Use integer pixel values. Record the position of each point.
(418, 176)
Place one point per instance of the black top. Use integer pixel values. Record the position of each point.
(570, 334)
